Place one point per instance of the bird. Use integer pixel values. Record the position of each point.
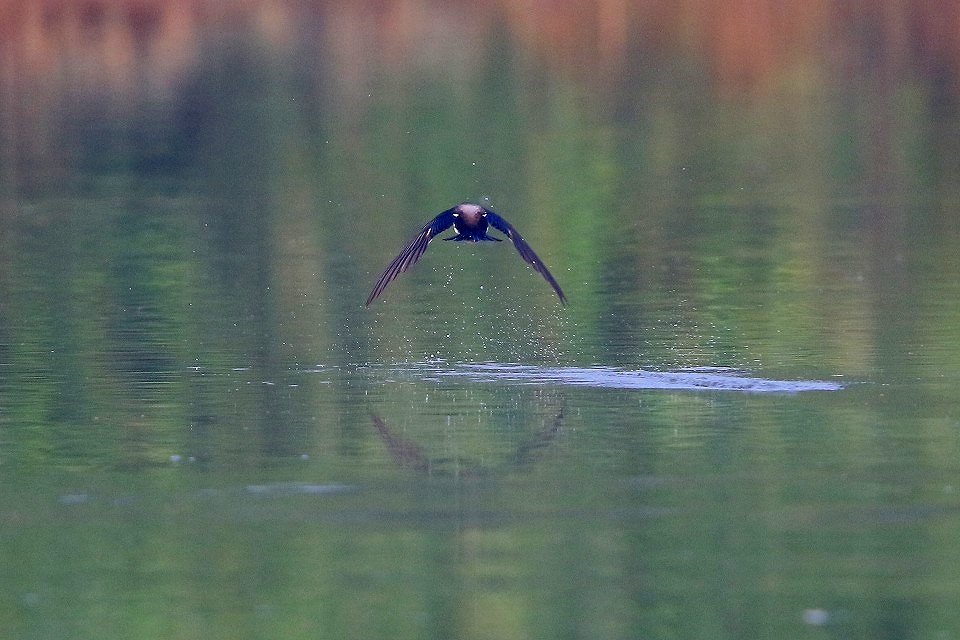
(470, 222)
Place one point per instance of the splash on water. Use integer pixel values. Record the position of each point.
(701, 378)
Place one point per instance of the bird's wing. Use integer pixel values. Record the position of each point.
(409, 255)
(524, 250)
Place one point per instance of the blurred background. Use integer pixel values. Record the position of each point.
(202, 428)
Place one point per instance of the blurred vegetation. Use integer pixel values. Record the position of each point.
(193, 206)
(233, 217)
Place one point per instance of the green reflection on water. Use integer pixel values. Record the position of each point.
(182, 337)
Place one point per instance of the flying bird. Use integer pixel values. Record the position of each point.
(470, 221)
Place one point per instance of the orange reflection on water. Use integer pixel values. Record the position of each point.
(125, 46)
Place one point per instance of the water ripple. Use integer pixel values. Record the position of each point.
(714, 378)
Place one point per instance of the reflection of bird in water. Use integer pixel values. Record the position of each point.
(470, 221)
(405, 453)
(409, 455)
(528, 450)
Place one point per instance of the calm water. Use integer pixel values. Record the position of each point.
(744, 423)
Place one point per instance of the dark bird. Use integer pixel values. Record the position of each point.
(470, 221)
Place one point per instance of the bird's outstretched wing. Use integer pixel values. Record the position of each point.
(409, 255)
(524, 250)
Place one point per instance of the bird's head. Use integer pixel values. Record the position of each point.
(468, 212)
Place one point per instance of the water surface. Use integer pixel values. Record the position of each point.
(743, 424)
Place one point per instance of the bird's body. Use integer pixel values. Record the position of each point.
(470, 221)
